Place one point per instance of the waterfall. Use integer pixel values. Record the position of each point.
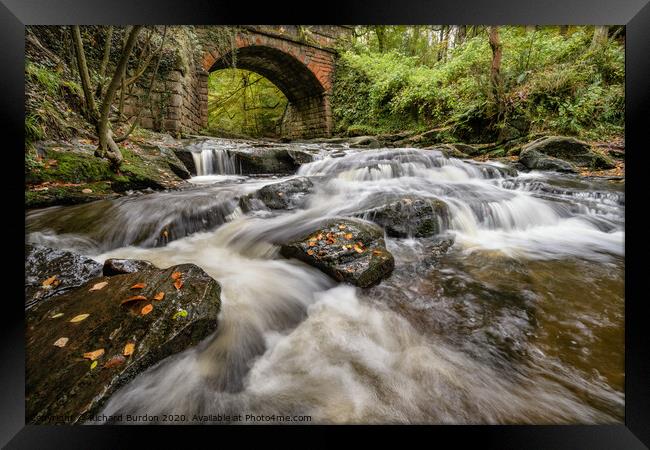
(214, 161)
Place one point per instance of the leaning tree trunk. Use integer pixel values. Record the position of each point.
(107, 146)
(91, 107)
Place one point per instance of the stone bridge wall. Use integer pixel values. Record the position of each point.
(300, 61)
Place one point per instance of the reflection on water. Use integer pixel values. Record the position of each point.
(520, 322)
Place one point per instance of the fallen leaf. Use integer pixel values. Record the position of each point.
(178, 284)
(181, 313)
(319, 236)
(176, 275)
(348, 236)
(159, 296)
(146, 309)
(56, 315)
(135, 298)
(87, 191)
(342, 227)
(165, 233)
(79, 318)
(128, 349)
(310, 252)
(93, 365)
(312, 244)
(94, 354)
(376, 252)
(98, 286)
(115, 361)
(358, 248)
(51, 282)
(60, 342)
(138, 286)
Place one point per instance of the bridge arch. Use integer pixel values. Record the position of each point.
(304, 73)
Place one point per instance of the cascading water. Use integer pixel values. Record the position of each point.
(520, 322)
(210, 159)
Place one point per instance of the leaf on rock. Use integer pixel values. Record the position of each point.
(310, 252)
(138, 286)
(342, 227)
(115, 361)
(128, 349)
(312, 244)
(93, 365)
(358, 247)
(135, 298)
(146, 309)
(79, 318)
(176, 275)
(98, 286)
(159, 296)
(181, 313)
(94, 354)
(348, 236)
(178, 284)
(60, 342)
(57, 315)
(51, 282)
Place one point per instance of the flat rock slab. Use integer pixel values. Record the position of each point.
(567, 149)
(62, 383)
(69, 269)
(286, 194)
(348, 250)
(411, 216)
(116, 266)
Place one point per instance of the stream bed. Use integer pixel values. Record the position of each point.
(520, 321)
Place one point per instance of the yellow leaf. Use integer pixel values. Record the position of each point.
(56, 315)
(79, 318)
(94, 354)
(60, 342)
(128, 349)
(147, 309)
(348, 236)
(98, 286)
(93, 365)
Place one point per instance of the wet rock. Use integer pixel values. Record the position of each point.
(365, 142)
(71, 270)
(61, 381)
(534, 160)
(286, 194)
(187, 159)
(270, 160)
(568, 149)
(348, 250)
(115, 266)
(411, 216)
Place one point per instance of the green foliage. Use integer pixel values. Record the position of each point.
(551, 83)
(244, 103)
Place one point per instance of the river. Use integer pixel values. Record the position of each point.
(521, 321)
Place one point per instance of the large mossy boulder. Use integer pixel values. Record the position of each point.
(568, 149)
(411, 217)
(348, 250)
(50, 272)
(86, 343)
(534, 160)
(286, 194)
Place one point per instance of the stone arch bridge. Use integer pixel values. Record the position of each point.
(299, 60)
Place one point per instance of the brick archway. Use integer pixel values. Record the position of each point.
(303, 72)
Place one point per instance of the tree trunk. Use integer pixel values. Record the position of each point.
(108, 147)
(495, 70)
(91, 107)
(461, 33)
(105, 58)
(600, 35)
(380, 31)
(564, 29)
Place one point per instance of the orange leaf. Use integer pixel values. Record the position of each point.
(312, 244)
(52, 281)
(348, 236)
(128, 349)
(147, 309)
(358, 248)
(178, 284)
(94, 354)
(115, 361)
(98, 286)
(159, 296)
(176, 275)
(138, 286)
(310, 252)
(342, 227)
(135, 298)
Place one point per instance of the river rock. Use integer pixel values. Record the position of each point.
(62, 380)
(115, 266)
(70, 269)
(569, 149)
(411, 216)
(365, 142)
(270, 160)
(286, 194)
(348, 250)
(534, 160)
(187, 159)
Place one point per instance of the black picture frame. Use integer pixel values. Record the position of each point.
(635, 14)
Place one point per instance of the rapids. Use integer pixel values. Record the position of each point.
(520, 322)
